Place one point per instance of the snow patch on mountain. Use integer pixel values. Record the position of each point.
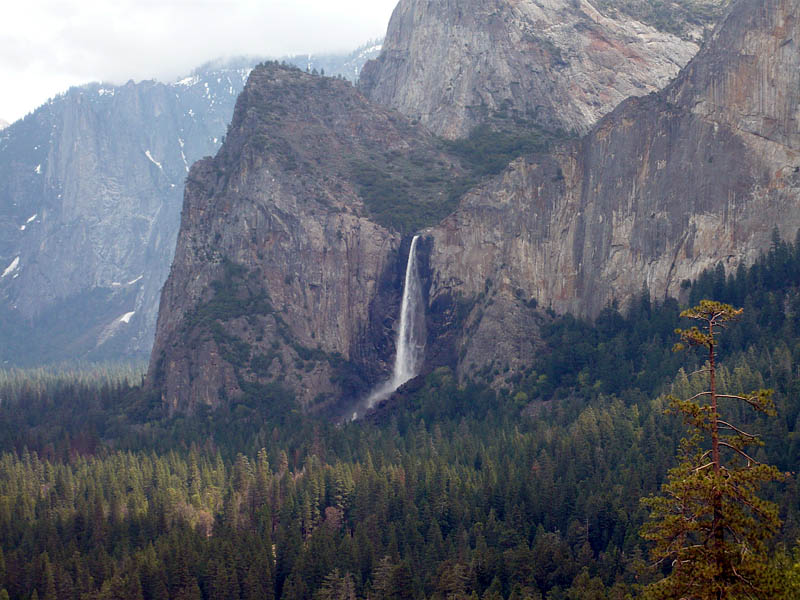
(11, 268)
(153, 160)
(188, 81)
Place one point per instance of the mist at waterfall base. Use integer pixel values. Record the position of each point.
(410, 342)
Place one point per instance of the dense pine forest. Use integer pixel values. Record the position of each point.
(452, 490)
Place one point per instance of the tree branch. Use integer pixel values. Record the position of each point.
(736, 429)
(697, 396)
(750, 459)
(698, 469)
(732, 397)
(755, 405)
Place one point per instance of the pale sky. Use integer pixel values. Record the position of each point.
(48, 45)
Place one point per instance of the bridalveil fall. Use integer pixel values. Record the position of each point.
(410, 335)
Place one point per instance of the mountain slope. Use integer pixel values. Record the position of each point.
(287, 273)
(558, 64)
(686, 18)
(91, 185)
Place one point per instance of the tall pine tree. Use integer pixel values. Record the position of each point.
(709, 526)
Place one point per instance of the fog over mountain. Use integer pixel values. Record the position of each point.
(51, 45)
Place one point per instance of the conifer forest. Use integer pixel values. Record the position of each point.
(453, 491)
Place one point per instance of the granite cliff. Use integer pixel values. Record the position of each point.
(662, 188)
(90, 191)
(286, 281)
(556, 64)
(287, 269)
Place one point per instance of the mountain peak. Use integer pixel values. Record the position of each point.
(90, 196)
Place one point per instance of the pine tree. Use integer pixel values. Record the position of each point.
(337, 587)
(48, 578)
(253, 587)
(709, 524)
(190, 592)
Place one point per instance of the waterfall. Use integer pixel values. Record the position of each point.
(410, 335)
(410, 338)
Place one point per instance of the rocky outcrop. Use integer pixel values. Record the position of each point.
(689, 19)
(284, 278)
(662, 188)
(90, 194)
(557, 64)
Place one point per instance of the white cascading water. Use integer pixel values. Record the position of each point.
(410, 336)
(410, 341)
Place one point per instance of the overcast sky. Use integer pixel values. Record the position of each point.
(48, 45)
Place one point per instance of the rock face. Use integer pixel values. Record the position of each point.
(3, 124)
(559, 64)
(90, 194)
(660, 189)
(282, 280)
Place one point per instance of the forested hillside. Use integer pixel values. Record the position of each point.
(531, 491)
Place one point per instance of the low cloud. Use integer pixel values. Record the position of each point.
(50, 45)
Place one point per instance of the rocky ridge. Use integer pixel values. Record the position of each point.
(689, 19)
(91, 184)
(288, 266)
(556, 64)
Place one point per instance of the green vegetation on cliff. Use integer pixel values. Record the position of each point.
(680, 17)
(407, 178)
(410, 192)
(406, 192)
